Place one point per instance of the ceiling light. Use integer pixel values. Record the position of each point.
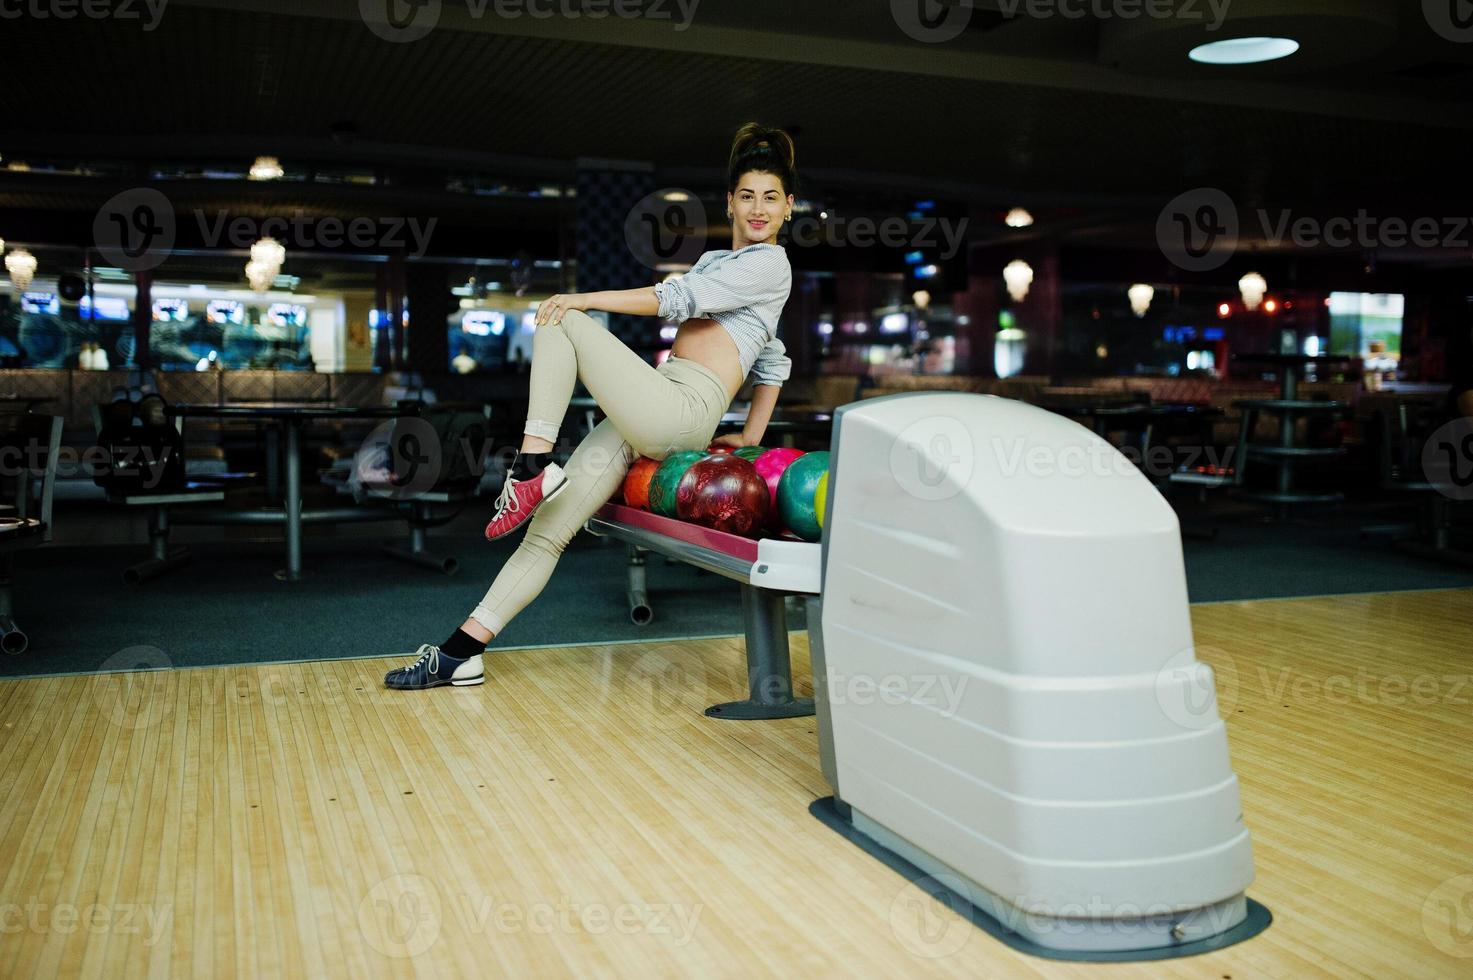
(22, 268)
(1018, 218)
(1140, 298)
(266, 168)
(1243, 50)
(1019, 276)
(1252, 287)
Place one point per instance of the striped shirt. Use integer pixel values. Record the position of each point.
(745, 292)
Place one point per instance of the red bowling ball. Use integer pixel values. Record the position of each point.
(724, 492)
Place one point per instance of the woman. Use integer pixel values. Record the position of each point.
(729, 303)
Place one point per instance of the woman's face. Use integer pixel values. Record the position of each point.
(758, 209)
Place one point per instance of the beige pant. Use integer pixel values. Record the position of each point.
(651, 412)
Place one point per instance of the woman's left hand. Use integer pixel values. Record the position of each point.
(735, 440)
(551, 310)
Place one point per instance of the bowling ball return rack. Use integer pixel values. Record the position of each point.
(768, 571)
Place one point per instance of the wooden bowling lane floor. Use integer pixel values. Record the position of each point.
(579, 815)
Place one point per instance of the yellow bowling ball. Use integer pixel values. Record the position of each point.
(821, 497)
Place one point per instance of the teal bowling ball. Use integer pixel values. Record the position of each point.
(796, 493)
(667, 478)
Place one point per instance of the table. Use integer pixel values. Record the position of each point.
(293, 418)
(785, 425)
(1289, 367)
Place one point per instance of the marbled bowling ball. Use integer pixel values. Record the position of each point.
(797, 492)
(724, 492)
(667, 478)
(770, 466)
(749, 453)
(715, 450)
(637, 482)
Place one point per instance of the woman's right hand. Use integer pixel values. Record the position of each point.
(551, 310)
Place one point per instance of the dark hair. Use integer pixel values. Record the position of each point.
(766, 151)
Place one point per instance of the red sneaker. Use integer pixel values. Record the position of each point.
(519, 498)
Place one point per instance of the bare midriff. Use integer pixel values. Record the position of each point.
(707, 343)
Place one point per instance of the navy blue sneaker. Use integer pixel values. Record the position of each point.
(436, 669)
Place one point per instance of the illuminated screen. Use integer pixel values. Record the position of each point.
(108, 308)
(1366, 324)
(225, 311)
(484, 323)
(40, 303)
(286, 315)
(165, 310)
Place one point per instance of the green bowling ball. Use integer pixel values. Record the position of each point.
(797, 492)
(749, 453)
(667, 478)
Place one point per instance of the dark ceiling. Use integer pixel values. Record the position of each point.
(1016, 109)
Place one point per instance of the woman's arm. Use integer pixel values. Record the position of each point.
(636, 302)
(764, 399)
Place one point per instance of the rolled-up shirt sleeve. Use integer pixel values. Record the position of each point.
(760, 275)
(773, 366)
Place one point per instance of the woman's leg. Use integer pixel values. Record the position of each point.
(595, 471)
(623, 384)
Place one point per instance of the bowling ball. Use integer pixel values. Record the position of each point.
(821, 497)
(749, 453)
(715, 450)
(796, 491)
(724, 492)
(770, 466)
(667, 478)
(637, 482)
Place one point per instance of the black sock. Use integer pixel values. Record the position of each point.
(462, 645)
(528, 465)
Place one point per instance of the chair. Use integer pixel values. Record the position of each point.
(1404, 430)
(162, 557)
(22, 438)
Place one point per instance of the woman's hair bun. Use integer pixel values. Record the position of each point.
(766, 150)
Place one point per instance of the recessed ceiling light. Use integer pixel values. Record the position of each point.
(1244, 50)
